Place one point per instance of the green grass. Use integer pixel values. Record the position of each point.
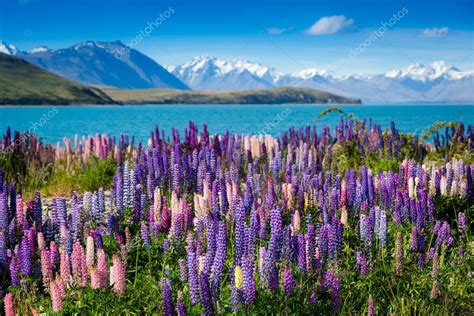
(23, 83)
(262, 96)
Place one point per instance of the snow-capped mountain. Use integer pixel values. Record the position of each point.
(433, 71)
(40, 49)
(103, 63)
(211, 73)
(8, 49)
(435, 82)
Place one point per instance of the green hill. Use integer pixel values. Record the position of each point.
(25, 84)
(262, 96)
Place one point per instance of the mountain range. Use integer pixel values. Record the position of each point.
(435, 82)
(112, 64)
(101, 63)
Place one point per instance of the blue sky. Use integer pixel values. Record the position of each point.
(288, 35)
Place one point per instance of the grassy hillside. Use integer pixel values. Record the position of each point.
(25, 84)
(263, 96)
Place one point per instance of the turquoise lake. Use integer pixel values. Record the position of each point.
(53, 123)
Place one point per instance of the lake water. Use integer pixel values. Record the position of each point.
(53, 123)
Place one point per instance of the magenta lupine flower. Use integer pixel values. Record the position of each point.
(168, 309)
(288, 280)
(9, 305)
(46, 268)
(118, 272)
(206, 297)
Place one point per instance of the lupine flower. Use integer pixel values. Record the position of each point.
(9, 305)
(331, 282)
(168, 309)
(206, 298)
(362, 263)
(371, 311)
(248, 284)
(56, 296)
(462, 222)
(25, 255)
(90, 251)
(46, 268)
(288, 281)
(399, 254)
(180, 306)
(118, 272)
(193, 277)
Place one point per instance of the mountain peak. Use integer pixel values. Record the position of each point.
(39, 49)
(420, 72)
(8, 49)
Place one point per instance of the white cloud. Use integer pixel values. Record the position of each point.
(277, 30)
(435, 32)
(330, 25)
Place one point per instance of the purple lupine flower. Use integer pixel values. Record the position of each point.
(331, 283)
(183, 270)
(206, 297)
(180, 306)
(25, 255)
(248, 284)
(168, 309)
(462, 223)
(221, 252)
(288, 280)
(301, 253)
(193, 277)
(211, 245)
(382, 228)
(145, 234)
(14, 270)
(3, 250)
(362, 263)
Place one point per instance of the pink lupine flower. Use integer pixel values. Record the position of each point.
(90, 251)
(46, 268)
(65, 267)
(41, 243)
(118, 275)
(56, 296)
(95, 279)
(102, 268)
(77, 259)
(9, 307)
(54, 253)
